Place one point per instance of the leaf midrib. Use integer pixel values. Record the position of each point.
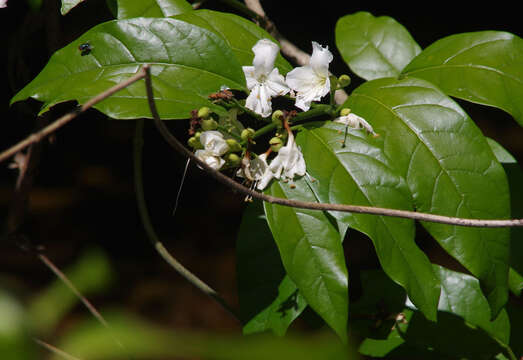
(401, 250)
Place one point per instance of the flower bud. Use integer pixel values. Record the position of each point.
(344, 81)
(345, 112)
(234, 146)
(204, 112)
(209, 124)
(194, 143)
(247, 134)
(277, 117)
(233, 159)
(276, 144)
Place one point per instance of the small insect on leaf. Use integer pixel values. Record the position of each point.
(85, 49)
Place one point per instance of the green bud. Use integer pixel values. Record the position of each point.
(234, 146)
(233, 159)
(204, 112)
(276, 144)
(209, 124)
(277, 117)
(197, 135)
(344, 80)
(344, 112)
(247, 134)
(194, 143)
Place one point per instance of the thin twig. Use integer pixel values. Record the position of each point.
(171, 140)
(55, 350)
(151, 233)
(38, 136)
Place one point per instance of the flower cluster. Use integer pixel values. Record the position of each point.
(308, 83)
(305, 84)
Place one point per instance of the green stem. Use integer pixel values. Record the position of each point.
(151, 233)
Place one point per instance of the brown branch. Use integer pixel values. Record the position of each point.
(38, 136)
(171, 140)
(55, 350)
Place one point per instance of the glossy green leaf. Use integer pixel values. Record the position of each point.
(67, 5)
(361, 174)
(151, 8)
(269, 300)
(374, 47)
(461, 295)
(311, 252)
(515, 180)
(483, 67)
(449, 167)
(187, 64)
(239, 33)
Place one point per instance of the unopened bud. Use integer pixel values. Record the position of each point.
(194, 143)
(247, 134)
(276, 144)
(233, 159)
(209, 124)
(345, 112)
(277, 117)
(344, 80)
(204, 112)
(234, 146)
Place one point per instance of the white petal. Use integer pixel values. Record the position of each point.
(214, 162)
(214, 143)
(249, 76)
(259, 101)
(276, 84)
(320, 59)
(300, 78)
(265, 52)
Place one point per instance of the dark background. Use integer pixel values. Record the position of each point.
(83, 192)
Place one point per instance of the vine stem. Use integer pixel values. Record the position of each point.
(173, 142)
(151, 233)
(38, 136)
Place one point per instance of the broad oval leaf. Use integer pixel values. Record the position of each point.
(187, 64)
(462, 296)
(483, 67)
(151, 8)
(360, 174)
(449, 168)
(239, 33)
(269, 299)
(311, 252)
(374, 47)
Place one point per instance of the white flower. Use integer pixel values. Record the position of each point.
(289, 162)
(214, 143)
(210, 159)
(355, 122)
(3, 4)
(263, 79)
(311, 82)
(257, 170)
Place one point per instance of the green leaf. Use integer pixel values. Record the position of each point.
(374, 47)
(311, 252)
(266, 301)
(515, 180)
(67, 5)
(361, 174)
(461, 295)
(448, 167)
(482, 67)
(151, 8)
(500, 152)
(187, 64)
(239, 33)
